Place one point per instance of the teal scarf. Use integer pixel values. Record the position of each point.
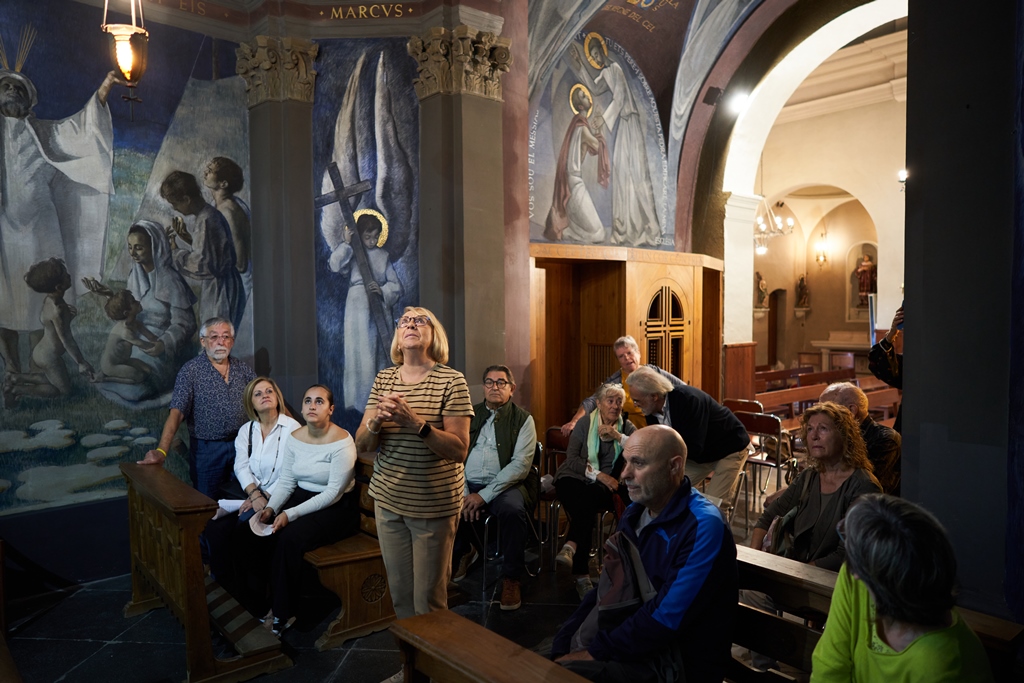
(594, 441)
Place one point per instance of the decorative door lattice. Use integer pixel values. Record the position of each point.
(665, 329)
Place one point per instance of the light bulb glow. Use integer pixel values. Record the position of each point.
(761, 250)
(123, 49)
(902, 175)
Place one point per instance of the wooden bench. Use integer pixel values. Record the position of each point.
(871, 383)
(781, 377)
(826, 377)
(808, 590)
(165, 518)
(884, 403)
(790, 401)
(445, 647)
(353, 569)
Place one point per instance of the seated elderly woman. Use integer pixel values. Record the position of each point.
(588, 479)
(838, 473)
(892, 616)
(627, 352)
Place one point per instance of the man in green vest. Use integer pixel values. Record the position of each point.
(500, 481)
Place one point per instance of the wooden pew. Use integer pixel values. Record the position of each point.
(871, 383)
(165, 518)
(885, 401)
(808, 590)
(781, 378)
(826, 377)
(353, 569)
(789, 400)
(445, 647)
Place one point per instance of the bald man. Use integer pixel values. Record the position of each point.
(688, 553)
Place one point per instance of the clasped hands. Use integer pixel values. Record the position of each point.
(280, 520)
(394, 407)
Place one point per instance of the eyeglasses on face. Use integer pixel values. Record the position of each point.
(409, 321)
(500, 383)
(219, 337)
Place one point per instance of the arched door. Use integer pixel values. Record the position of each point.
(665, 330)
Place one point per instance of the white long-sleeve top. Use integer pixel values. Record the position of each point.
(265, 465)
(326, 469)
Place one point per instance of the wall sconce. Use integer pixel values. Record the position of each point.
(129, 48)
(902, 176)
(821, 249)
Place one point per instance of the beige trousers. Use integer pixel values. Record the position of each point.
(727, 471)
(418, 558)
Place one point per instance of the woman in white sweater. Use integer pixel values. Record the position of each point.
(314, 503)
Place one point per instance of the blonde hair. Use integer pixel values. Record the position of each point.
(438, 351)
(250, 388)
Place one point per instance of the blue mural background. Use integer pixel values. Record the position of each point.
(378, 134)
(57, 451)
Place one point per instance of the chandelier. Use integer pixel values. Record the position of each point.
(769, 225)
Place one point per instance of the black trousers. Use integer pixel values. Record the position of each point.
(582, 501)
(275, 562)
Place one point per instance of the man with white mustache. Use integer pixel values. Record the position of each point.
(208, 397)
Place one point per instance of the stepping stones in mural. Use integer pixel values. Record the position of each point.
(117, 426)
(105, 453)
(94, 440)
(66, 483)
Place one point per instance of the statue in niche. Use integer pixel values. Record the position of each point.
(867, 279)
(803, 294)
(762, 290)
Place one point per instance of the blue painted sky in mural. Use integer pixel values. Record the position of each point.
(74, 65)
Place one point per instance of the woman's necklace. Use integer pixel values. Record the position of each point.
(277, 452)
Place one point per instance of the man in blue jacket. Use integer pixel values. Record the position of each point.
(689, 555)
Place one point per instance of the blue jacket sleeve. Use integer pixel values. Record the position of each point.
(561, 643)
(655, 625)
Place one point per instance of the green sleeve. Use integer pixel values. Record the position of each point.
(833, 657)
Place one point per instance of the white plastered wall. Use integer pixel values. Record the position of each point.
(870, 184)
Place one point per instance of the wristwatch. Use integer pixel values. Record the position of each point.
(424, 431)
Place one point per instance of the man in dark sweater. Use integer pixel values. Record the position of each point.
(716, 441)
(500, 480)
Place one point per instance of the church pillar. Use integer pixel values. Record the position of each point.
(740, 212)
(279, 79)
(462, 235)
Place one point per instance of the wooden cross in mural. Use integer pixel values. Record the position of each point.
(341, 195)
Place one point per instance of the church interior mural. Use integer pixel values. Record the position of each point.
(122, 228)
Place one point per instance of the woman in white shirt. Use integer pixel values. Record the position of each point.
(258, 462)
(314, 503)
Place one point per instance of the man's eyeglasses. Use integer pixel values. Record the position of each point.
(500, 383)
(417, 320)
(219, 337)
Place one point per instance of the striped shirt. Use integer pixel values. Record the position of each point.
(408, 478)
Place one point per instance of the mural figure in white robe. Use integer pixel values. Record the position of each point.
(634, 217)
(55, 187)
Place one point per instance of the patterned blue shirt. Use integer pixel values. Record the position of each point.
(212, 407)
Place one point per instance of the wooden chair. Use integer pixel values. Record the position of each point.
(768, 450)
(810, 359)
(871, 383)
(881, 402)
(840, 360)
(735, 404)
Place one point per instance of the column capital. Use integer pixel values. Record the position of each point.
(277, 69)
(460, 61)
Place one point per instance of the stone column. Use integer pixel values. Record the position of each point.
(279, 78)
(462, 233)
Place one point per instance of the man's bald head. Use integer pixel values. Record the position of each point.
(655, 463)
(848, 395)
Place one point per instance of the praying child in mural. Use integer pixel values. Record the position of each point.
(224, 178)
(116, 363)
(48, 377)
(365, 353)
(211, 261)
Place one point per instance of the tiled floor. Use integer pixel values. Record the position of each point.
(83, 637)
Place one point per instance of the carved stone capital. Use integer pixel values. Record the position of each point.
(462, 61)
(276, 70)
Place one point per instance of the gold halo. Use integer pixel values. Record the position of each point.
(572, 91)
(586, 48)
(382, 240)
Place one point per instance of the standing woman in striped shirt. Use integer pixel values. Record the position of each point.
(418, 417)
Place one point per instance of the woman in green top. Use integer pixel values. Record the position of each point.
(892, 617)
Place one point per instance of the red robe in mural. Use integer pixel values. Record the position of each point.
(573, 215)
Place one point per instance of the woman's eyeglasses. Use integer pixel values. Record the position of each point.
(418, 321)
